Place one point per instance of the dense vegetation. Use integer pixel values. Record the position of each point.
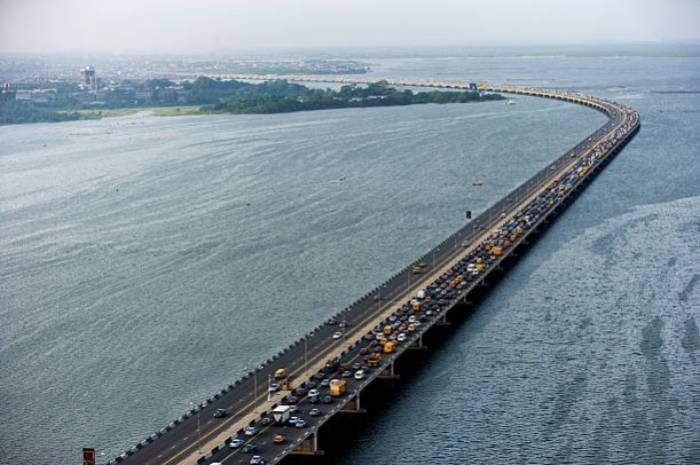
(12, 112)
(220, 96)
(285, 97)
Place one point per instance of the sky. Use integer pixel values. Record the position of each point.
(220, 25)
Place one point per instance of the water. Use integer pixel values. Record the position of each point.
(146, 262)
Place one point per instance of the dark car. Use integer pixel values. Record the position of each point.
(249, 448)
(219, 413)
(291, 399)
(327, 399)
(300, 391)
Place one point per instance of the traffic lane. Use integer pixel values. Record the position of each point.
(264, 438)
(210, 427)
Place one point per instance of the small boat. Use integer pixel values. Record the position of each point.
(478, 183)
(510, 102)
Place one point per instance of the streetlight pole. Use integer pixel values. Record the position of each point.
(269, 385)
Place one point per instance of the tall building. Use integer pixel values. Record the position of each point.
(87, 78)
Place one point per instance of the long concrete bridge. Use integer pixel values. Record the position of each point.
(449, 278)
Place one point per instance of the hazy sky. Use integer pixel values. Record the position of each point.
(219, 25)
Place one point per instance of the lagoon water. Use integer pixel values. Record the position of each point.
(146, 262)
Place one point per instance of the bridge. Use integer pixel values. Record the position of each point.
(405, 309)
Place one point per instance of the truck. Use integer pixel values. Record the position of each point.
(374, 359)
(280, 373)
(388, 330)
(415, 304)
(280, 414)
(420, 295)
(337, 387)
(388, 347)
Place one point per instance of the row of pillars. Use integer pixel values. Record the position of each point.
(309, 446)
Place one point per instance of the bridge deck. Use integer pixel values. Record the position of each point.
(247, 399)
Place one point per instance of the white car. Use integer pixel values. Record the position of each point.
(337, 335)
(236, 443)
(313, 392)
(360, 374)
(401, 337)
(274, 387)
(250, 431)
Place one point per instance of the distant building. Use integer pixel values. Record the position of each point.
(87, 78)
(7, 92)
(36, 95)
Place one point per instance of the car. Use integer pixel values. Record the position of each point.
(293, 409)
(292, 420)
(219, 413)
(291, 400)
(265, 421)
(356, 366)
(327, 399)
(364, 351)
(326, 382)
(278, 439)
(401, 337)
(249, 448)
(257, 460)
(301, 423)
(337, 335)
(311, 384)
(274, 387)
(465, 243)
(313, 392)
(314, 399)
(314, 412)
(300, 392)
(236, 443)
(360, 374)
(250, 430)
(318, 376)
(346, 374)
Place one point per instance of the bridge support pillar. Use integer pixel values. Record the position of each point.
(443, 321)
(309, 446)
(418, 345)
(353, 406)
(388, 373)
